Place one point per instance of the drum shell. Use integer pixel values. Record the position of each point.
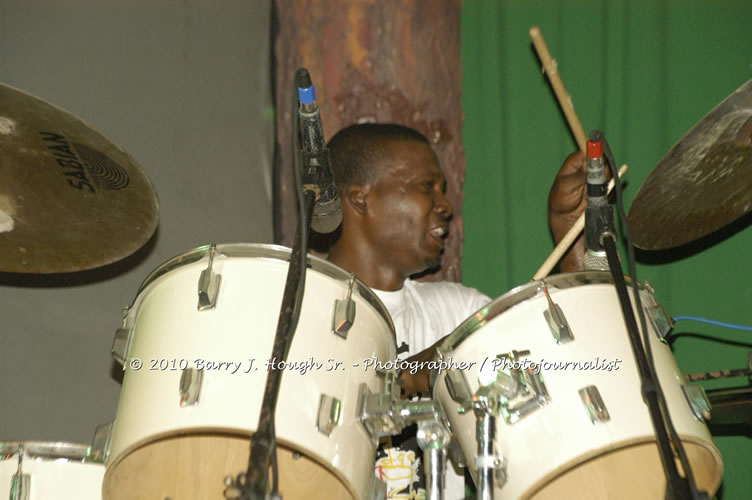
(58, 470)
(557, 448)
(168, 326)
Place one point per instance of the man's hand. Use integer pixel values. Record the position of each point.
(419, 382)
(566, 201)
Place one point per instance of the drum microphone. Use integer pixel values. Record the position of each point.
(598, 214)
(327, 213)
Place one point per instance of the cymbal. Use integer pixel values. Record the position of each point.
(703, 183)
(70, 199)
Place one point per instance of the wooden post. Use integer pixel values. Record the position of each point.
(390, 61)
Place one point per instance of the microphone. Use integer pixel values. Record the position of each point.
(327, 213)
(598, 214)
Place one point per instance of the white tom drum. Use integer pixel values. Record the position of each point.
(195, 345)
(572, 423)
(34, 470)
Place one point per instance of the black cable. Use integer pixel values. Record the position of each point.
(275, 464)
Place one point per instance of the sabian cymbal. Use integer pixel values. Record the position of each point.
(703, 183)
(70, 199)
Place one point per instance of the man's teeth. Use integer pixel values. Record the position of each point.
(438, 231)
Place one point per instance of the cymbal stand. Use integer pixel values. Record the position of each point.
(309, 177)
(667, 439)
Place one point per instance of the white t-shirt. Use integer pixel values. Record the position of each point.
(423, 313)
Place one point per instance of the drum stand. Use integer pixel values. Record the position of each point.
(488, 466)
(433, 437)
(600, 242)
(487, 404)
(385, 414)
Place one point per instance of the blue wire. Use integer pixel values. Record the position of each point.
(713, 322)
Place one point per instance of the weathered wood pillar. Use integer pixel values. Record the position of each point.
(388, 61)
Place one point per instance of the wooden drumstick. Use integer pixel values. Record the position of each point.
(549, 65)
(568, 239)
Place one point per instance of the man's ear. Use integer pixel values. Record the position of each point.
(357, 196)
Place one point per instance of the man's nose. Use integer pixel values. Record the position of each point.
(443, 206)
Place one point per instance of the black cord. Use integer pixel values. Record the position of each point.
(275, 466)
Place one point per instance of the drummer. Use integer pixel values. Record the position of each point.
(395, 219)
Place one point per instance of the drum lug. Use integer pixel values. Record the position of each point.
(455, 452)
(377, 491)
(208, 284)
(329, 414)
(660, 319)
(556, 320)
(459, 389)
(122, 341)
(100, 444)
(392, 383)
(594, 405)
(698, 401)
(344, 312)
(191, 381)
(374, 412)
(500, 473)
(499, 466)
(20, 484)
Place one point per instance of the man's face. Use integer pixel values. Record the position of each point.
(408, 214)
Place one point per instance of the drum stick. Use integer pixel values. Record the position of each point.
(568, 239)
(549, 65)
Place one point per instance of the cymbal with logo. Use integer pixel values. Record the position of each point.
(703, 183)
(70, 199)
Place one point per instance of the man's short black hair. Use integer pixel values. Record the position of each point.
(357, 151)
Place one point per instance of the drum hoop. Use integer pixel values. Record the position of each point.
(521, 294)
(53, 450)
(266, 251)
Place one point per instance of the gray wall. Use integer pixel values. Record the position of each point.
(183, 86)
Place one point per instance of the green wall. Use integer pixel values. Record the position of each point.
(644, 73)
